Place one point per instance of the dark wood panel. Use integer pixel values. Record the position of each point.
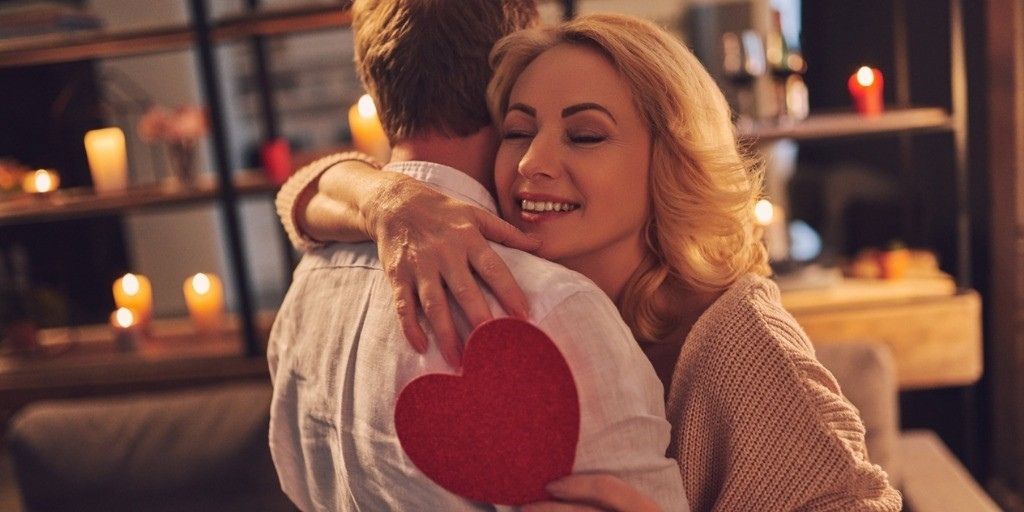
(1005, 55)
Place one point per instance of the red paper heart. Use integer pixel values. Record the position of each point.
(502, 430)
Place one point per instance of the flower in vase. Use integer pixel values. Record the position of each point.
(179, 129)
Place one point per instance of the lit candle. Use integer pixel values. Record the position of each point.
(108, 159)
(41, 181)
(126, 329)
(773, 220)
(134, 292)
(866, 89)
(204, 296)
(367, 133)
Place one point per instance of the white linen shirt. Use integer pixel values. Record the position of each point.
(338, 360)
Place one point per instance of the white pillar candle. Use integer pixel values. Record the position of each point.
(108, 159)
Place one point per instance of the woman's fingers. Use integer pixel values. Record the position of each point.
(604, 491)
(467, 293)
(493, 270)
(405, 304)
(434, 302)
(497, 230)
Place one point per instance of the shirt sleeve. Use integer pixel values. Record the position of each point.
(299, 182)
(623, 430)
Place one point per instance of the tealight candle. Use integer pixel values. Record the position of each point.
(134, 292)
(367, 133)
(41, 181)
(204, 296)
(866, 89)
(108, 160)
(126, 329)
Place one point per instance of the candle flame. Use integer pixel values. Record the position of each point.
(130, 284)
(201, 283)
(865, 76)
(764, 212)
(366, 107)
(124, 317)
(44, 183)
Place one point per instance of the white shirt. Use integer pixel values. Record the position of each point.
(338, 360)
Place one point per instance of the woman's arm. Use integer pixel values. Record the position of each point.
(429, 244)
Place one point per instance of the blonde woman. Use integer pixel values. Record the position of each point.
(618, 156)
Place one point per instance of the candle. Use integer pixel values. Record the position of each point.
(108, 160)
(773, 219)
(134, 292)
(866, 89)
(367, 133)
(41, 181)
(277, 160)
(126, 329)
(204, 296)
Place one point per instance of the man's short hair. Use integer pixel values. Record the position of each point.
(425, 62)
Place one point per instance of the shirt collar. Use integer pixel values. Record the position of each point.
(447, 180)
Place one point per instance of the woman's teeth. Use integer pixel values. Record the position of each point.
(546, 206)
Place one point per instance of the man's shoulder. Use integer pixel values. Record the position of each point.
(546, 283)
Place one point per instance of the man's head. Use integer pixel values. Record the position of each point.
(425, 62)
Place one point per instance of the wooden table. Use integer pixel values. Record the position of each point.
(932, 329)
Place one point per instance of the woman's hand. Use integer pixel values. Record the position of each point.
(593, 492)
(429, 243)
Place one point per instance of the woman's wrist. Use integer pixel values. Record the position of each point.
(385, 200)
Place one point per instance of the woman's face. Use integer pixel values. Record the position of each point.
(573, 164)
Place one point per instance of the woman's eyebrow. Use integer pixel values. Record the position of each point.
(579, 107)
(526, 109)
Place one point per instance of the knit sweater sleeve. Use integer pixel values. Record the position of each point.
(770, 422)
(304, 178)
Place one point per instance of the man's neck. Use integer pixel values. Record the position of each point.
(473, 154)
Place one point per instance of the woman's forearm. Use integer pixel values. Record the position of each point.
(335, 208)
(330, 199)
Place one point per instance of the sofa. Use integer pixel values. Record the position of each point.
(206, 449)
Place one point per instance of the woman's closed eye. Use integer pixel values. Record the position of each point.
(586, 138)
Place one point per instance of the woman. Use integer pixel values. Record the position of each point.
(618, 154)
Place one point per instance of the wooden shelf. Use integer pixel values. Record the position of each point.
(84, 202)
(86, 360)
(76, 46)
(850, 124)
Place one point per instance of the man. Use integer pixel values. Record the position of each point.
(337, 354)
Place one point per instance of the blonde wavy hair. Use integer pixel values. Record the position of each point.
(702, 234)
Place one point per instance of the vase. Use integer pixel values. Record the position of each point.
(183, 155)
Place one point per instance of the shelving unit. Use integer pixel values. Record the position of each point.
(200, 35)
(68, 204)
(834, 125)
(102, 44)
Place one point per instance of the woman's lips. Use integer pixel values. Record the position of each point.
(535, 210)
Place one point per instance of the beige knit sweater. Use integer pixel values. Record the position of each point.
(758, 424)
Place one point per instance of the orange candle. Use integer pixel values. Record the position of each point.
(866, 89)
(127, 330)
(204, 296)
(367, 133)
(41, 181)
(135, 292)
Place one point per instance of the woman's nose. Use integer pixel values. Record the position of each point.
(541, 158)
